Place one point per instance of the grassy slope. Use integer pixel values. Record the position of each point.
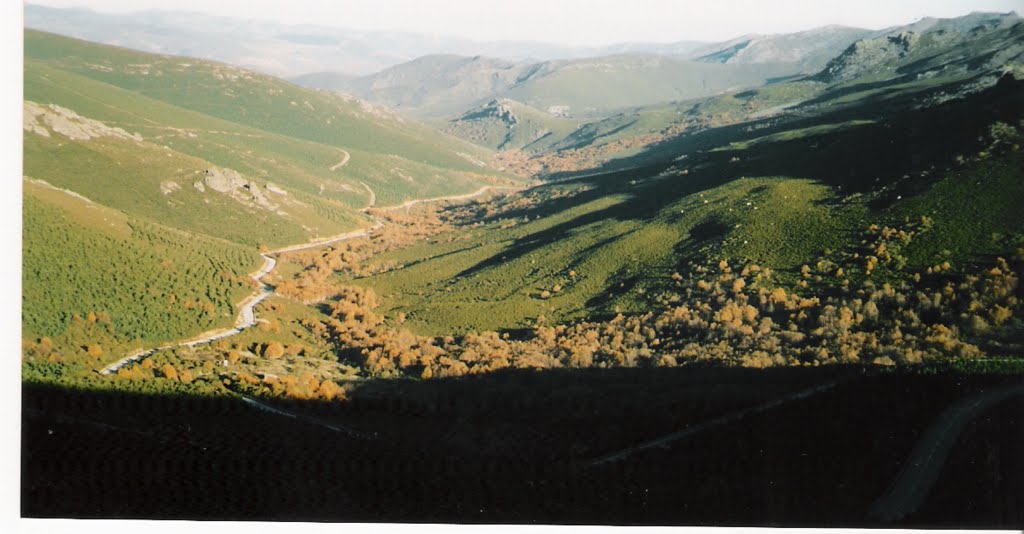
(200, 246)
(622, 81)
(782, 196)
(623, 242)
(81, 257)
(128, 176)
(276, 109)
(534, 131)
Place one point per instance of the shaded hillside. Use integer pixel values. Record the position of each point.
(965, 60)
(518, 447)
(939, 47)
(779, 195)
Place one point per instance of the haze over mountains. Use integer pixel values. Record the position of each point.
(289, 50)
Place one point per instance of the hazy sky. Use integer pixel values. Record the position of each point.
(573, 21)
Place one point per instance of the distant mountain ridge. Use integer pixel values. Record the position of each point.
(942, 42)
(442, 86)
(809, 49)
(295, 50)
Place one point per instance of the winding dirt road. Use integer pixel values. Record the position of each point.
(453, 198)
(247, 308)
(373, 197)
(922, 468)
(343, 162)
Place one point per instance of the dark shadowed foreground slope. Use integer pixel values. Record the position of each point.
(776, 447)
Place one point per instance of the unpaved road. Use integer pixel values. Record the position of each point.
(373, 197)
(344, 160)
(452, 198)
(334, 427)
(921, 469)
(718, 421)
(247, 308)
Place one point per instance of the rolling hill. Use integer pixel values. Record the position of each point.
(442, 86)
(779, 176)
(693, 294)
(975, 49)
(808, 50)
(294, 50)
(199, 160)
(509, 125)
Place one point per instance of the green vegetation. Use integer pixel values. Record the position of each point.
(249, 99)
(492, 277)
(975, 212)
(509, 125)
(174, 172)
(797, 223)
(86, 264)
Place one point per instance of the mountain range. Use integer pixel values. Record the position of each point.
(651, 285)
(293, 50)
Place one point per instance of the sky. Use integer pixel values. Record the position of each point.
(576, 22)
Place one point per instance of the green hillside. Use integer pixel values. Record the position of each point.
(510, 125)
(146, 282)
(864, 216)
(198, 164)
(795, 193)
(446, 86)
(276, 129)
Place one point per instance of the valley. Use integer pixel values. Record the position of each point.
(634, 288)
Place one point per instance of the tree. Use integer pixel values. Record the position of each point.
(273, 350)
(169, 371)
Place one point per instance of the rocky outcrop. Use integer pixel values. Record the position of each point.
(167, 187)
(275, 189)
(41, 120)
(499, 110)
(223, 180)
(232, 183)
(867, 55)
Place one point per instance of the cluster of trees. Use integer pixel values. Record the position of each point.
(305, 386)
(354, 257)
(740, 316)
(856, 306)
(235, 367)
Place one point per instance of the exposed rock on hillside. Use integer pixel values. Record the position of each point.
(495, 109)
(40, 119)
(868, 54)
(973, 44)
(810, 49)
(506, 124)
(223, 180)
(230, 182)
